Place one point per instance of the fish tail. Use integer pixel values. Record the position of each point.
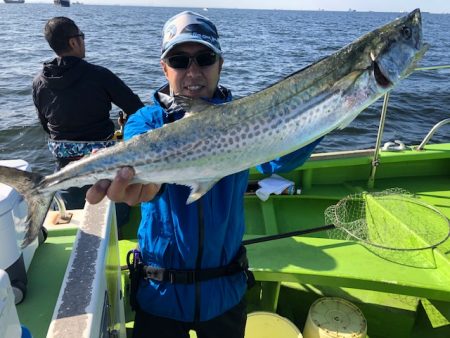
(28, 184)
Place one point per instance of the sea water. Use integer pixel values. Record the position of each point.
(260, 48)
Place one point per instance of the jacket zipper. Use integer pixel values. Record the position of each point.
(198, 264)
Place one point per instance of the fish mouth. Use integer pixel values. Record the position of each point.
(381, 79)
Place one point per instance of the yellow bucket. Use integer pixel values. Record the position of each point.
(262, 324)
(332, 317)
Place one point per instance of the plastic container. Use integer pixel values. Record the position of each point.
(9, 321)
(25, 332)
(263, 324)
(13, 213)
(332, 317)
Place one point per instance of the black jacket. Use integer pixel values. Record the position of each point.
(73, 99)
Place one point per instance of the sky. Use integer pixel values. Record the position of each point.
(433, 6)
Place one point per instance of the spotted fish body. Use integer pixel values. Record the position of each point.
(214, 141)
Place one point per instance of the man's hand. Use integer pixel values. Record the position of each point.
(120, 189)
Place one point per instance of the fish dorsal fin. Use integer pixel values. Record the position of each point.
(198, 189)
(191, 105)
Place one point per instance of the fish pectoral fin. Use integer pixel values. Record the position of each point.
(198, 189)
(191, 105)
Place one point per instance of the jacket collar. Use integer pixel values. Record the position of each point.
(174, 112)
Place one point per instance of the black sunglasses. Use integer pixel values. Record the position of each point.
(202, 59)
(80, 35)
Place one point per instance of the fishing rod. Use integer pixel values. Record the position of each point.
(274, 237)
(288, 234)
(433, 67)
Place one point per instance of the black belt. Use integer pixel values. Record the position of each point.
(239, 264)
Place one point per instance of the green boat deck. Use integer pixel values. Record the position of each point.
(293, 272)
(45, 277)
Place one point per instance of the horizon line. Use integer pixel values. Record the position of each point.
(350, 10)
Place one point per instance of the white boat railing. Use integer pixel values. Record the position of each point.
(90, 301)
(431, 133)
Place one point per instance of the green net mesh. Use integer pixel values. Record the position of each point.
(394, 224)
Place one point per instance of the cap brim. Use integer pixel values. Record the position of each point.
(184, 40)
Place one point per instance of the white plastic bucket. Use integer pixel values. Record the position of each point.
(9, 198)
(332, 317)
(13, 213)
(263, 324)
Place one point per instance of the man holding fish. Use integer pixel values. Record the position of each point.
(200, 242)
(190, 153)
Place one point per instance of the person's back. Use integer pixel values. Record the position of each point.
(73, 99)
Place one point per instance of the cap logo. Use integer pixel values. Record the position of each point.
(170, 32)
(189, 26)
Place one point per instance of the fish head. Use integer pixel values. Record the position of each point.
(395, 49)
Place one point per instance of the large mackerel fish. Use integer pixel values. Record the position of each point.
(214, 141)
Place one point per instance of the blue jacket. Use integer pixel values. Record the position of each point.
(207, 233)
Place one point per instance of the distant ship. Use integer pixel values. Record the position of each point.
(63, 3)
(14, 1)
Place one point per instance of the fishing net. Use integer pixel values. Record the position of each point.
(393, 224)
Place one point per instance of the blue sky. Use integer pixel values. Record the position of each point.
(434, 6)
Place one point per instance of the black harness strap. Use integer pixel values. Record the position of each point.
(239, 264)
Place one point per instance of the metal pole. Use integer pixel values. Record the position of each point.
(431, 133)
(375, 160)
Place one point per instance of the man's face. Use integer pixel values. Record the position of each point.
(77, 45)
(194, 81)
(82, 47)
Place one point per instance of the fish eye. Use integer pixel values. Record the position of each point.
(406, 32)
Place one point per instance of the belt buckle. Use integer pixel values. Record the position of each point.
(154, 273)
(182, 276)
(191, 277)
